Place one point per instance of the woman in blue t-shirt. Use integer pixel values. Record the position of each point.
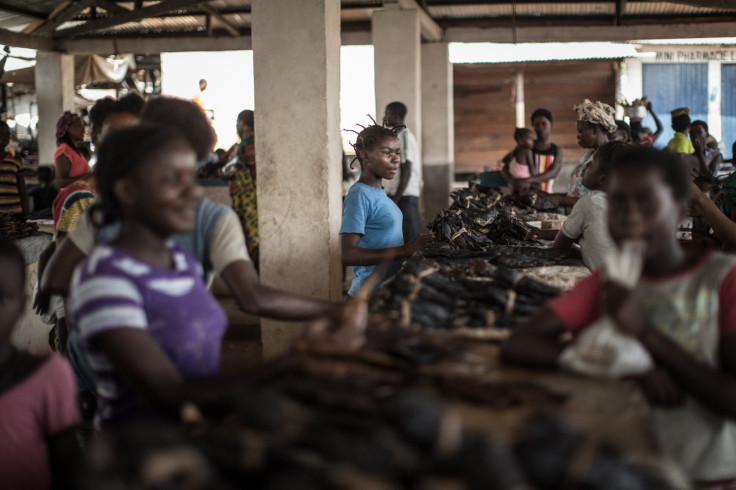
(371, 231)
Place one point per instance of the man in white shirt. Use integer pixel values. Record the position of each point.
(404, 189)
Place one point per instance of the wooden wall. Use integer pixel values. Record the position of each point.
(485, 106)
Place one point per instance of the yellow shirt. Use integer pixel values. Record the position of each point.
(681, 144)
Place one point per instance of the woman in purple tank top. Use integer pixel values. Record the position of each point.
(146, 322)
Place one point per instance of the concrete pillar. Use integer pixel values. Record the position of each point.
(519, 97)
(714, 100)
(438, 128)
(55, 93)
(397, 58)
(630, 79)
(296, 64)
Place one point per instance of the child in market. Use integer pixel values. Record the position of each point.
(682, 310)
(37, 397)
(519, 163)
(13, 195)
(622, 133)
(680, 143)
(706, 160)
(587, 221)
(371, 231)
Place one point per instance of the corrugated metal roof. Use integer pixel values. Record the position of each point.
(670, 8)
(540, 9)
(472, 13)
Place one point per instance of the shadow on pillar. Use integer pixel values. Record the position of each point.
(436, 192)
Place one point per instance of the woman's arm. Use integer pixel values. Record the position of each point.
(57, 273)
(63, 168)
(537, 343)
(137, 358)
(723, 228)
(242, 280)
(352, 254)
(713, 387)
(65, 459)
(510, 179)
(22, 192)
(656, 121)
(563, 242)
(552, 170)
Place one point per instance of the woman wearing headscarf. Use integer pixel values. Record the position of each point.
(595, 122)
(70, 164)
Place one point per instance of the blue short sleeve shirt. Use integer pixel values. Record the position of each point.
(370, 212)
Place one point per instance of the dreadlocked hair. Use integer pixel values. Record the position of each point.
(370, 137)
(123, 153)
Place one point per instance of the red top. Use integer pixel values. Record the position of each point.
(79, 167)
(581, 305)
(41, 405)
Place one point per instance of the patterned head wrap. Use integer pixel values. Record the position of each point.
(597, 113)
(62, 125)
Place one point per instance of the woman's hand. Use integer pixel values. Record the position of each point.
(660, 389)
(620, 303)
(418, 242)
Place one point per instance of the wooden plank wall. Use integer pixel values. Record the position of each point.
(485, 107)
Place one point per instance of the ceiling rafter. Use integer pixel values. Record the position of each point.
(226, 24)
(159, 9)
(431, 31)
(22, 11)
(716, 4)
(57, 18)
(22, 40)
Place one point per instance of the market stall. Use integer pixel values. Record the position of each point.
(31, 333)
(425, 402)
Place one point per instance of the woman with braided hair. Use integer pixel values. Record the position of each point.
(371, 231)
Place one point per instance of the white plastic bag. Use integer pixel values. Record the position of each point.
(602, 350)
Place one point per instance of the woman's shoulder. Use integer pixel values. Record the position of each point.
(63, 149)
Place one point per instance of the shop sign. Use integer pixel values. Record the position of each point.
(695, 56)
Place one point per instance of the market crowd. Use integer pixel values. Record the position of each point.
(137, 334)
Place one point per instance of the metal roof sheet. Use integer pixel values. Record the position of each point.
(18, 14)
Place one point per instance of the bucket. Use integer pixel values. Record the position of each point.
(636, 112)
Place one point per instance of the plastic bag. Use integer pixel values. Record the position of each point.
(602, 350)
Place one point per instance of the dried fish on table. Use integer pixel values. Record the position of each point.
(443, 292)
(12, 226)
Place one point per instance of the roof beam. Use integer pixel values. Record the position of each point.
(620, 9)
(63, 15)
(20, 40)
(716, 4)
(160, 8)
(147, 45)
(21, 11)
(229, 26)
(431, 31)
(590, 33)
(111, 7)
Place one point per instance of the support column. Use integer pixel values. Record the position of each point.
(55, 94)
(397, 58)
(296, 62)
(438, 128)
(519, 97)
(714, 100)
